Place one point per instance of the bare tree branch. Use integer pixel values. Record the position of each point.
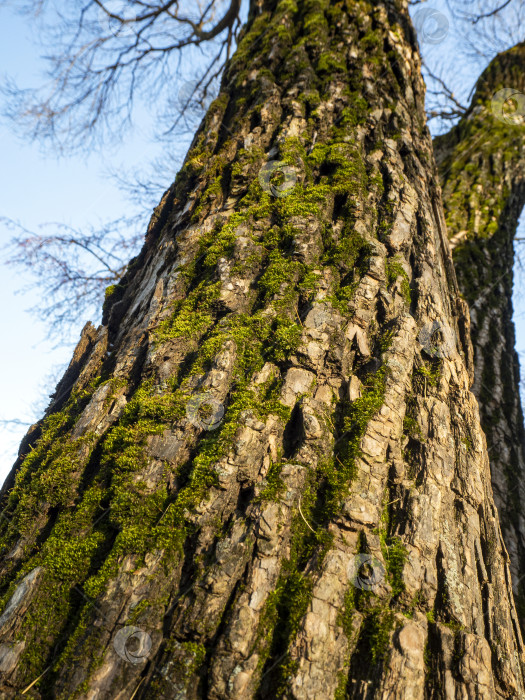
(71, 269)
(493, 12)
(446, 91)
(102, 60)
(13, 423)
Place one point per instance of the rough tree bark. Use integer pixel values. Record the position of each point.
(482, 169)
(333, 533)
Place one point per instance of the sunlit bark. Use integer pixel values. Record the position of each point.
(262, 477)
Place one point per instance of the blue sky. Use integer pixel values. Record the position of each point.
(35, 187)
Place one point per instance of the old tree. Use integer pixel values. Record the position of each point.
(266, 475)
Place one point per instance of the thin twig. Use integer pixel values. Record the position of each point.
(475, 20)
(395, 501)
(35, 681)
(339, 460)
(302, 516)
(136, 689)
(298, 317)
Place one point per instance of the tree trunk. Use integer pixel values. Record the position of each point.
(482, 169)
(261, 477)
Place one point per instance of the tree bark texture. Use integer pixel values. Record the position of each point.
(482, 169)
(259, 477)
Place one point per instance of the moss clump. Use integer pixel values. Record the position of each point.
(345, 620)
(355, 417)
(188, 657)
(286, 339)
(274, 484)
(284, 611)
(331, 63)
(375, 633)
(191, 315)
(411, 428)
(385, 341)
(280, 272)
(343, 166)
(342, 685)
(427, 660)
(430, 372)
(394, 270)
(46, 477)
(109, 291)
(395, 554)
(351, 250)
